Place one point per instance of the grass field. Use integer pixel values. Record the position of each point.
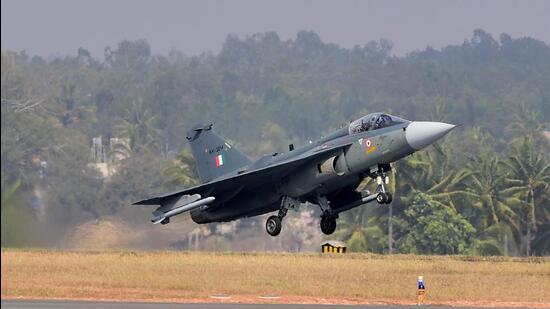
(188, 275)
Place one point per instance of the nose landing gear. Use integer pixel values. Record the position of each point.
(383, 196)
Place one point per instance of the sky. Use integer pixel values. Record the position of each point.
(60, 27)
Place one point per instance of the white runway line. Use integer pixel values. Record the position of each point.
(269, 297)
(220, 296)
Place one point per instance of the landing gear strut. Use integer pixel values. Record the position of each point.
(383, 196)
(274, 224)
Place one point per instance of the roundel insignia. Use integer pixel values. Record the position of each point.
(369, 147)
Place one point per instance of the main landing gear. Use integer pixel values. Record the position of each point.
(383, 197)
(328, 218)
(274, 224)
(328, 224)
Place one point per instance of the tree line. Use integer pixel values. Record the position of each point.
(483, 190)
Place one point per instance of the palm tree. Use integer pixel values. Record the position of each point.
(485, 188)
(541, 244)
(432, 173)
(138, 127)
(183, 171)
(529, 175)
(527, 125)
(494, 240)
(493, 206)
(413, 172)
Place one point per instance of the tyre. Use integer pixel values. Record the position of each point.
(328, 225)
(273, 225)
(389, 197)
(381, 198)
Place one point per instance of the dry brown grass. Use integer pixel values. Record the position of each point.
(179, 275)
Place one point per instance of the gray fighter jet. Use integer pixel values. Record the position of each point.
(326, 172)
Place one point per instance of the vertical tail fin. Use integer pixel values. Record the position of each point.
(213, 154)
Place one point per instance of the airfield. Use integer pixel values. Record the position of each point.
(18, 304)
(41, 278)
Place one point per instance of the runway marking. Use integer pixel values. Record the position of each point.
(269, 297)
(220, 296)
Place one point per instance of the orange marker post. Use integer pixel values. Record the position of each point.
(421, 291)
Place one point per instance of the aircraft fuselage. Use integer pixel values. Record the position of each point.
(326, 176)
(326, 172)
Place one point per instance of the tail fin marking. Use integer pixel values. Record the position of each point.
(214, 155)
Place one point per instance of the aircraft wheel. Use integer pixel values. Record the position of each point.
(273, 225)
(389, 197)
(328, 225)
(381, 198)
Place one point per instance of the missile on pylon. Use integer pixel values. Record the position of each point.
(163, 217)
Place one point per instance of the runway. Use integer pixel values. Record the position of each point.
(47, 304)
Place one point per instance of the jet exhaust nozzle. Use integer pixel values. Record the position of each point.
(420, 134)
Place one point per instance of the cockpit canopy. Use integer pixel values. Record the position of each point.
(374, 121)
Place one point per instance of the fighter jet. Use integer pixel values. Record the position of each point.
(326, 173)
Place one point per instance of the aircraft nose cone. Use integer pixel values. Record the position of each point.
(420, 134)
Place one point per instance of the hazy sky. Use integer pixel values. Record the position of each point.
(62, 26)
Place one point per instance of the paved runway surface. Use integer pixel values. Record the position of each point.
(50, 304)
